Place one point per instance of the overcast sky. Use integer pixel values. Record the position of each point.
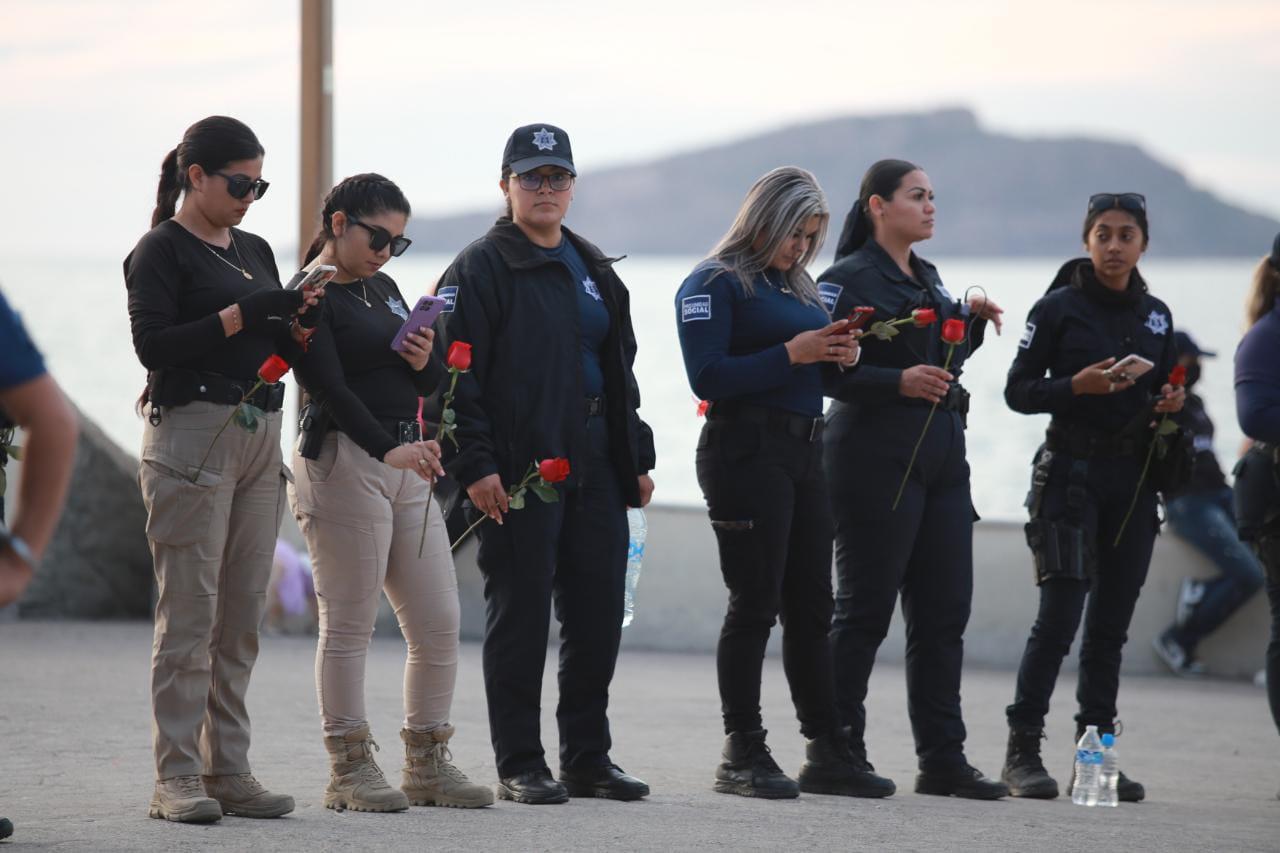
(93, 94)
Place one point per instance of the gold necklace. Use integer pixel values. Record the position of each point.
(244, 272)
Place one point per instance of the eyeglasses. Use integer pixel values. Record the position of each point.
(1135, 202)
(558, 181)
(238, 186)
(380, 237)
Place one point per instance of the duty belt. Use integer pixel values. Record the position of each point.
(801, 427)
(175, 386)
(1085, 443)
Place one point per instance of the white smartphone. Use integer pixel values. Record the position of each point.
(1128, 368)
(318, 277)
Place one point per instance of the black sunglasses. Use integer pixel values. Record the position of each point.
(238, 186)
(1135, 202)
(558, 181)
(380, 237)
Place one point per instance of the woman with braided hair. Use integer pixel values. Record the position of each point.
(360, 495)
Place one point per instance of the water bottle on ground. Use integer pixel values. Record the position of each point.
(1109, 778)
(1088, 768)
(635, 554)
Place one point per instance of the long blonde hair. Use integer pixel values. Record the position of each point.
(1262, 293)
(777, 204)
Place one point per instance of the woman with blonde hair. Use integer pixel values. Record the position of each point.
(757, 337)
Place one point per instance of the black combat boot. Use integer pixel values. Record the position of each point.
(748, 769)
(1023, 771)
(833, 768)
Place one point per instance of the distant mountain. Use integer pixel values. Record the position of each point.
(997, 194)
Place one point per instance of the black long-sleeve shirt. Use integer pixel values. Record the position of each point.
(350, 366)
(178, 283)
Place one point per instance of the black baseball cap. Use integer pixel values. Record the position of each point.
(1186, 345)
(537, 145)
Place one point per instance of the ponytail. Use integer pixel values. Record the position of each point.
(168, 191)
(882, 179)
(317, 246)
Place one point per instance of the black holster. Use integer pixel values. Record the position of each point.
(1060, 548)
(313, 425)
(1257, 492)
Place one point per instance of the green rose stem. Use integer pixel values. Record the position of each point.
(446, 417)
(951, 348)
(226, 424)
(516, 501)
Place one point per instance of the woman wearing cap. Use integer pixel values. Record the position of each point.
(1257, 380)
(552, 348)
(360, 497)
(206, 309)
(756, 337)
(897, 533)
(1202, 515)
(1092, 524)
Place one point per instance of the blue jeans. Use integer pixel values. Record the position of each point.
(1207, 521)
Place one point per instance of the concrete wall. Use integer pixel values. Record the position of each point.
(681, 599)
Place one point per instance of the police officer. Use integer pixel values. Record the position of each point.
(924, 546)
(756, 336)
(206, 309)
(360, 496)
(1257, 486)
(551, 376)
(1202, 515)
(1087, 474)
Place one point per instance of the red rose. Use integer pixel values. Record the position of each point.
(953, 330)
(553, 470)
(924, 317)
(272, 369)
(703, 405)
(1178, 376)
(459, 356)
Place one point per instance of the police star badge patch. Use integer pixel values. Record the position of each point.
(397, 307)
(1158, 323)
(544, 139)
(591, 289)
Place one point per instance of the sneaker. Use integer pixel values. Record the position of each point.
(1180, 663)
(1189, 595)
(183, 799)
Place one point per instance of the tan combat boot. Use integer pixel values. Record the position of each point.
(183, 799)
(242, 795)
(430, 779)
(355, 782)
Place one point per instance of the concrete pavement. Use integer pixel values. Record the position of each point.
(76, 770)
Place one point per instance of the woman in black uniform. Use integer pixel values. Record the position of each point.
(549, 324)
(360, 497)
(1097, 310)
(924, 546)
(756, 336)
(206, 309)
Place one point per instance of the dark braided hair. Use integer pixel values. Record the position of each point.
(211, 143)
(366, 194)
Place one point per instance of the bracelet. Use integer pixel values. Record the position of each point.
(23, 550)
(237, 322)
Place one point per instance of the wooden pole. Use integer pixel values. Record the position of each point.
(316, 161)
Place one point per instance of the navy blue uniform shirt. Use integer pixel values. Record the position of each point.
(735, 346)
(20, 361)
(1258, 379)
(593, 317)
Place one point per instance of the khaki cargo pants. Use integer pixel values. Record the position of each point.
(212, 542)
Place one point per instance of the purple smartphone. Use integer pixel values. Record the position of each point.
(423, 315)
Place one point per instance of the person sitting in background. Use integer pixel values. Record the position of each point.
(1202, 514)
(31, 399)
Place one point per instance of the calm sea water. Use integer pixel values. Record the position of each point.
(75, 307)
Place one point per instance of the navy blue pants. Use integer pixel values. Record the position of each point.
(1207, 520)
(574, 553)
(924, 549)
(1106, 601)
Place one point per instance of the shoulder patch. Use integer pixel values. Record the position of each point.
(1027, 334)
(450, 297)
(695, 308)
(830, 294)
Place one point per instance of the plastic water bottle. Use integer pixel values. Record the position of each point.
(1088, 768)
(635, 554)
(1109, 776)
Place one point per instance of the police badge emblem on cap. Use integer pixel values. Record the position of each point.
(536, 145)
